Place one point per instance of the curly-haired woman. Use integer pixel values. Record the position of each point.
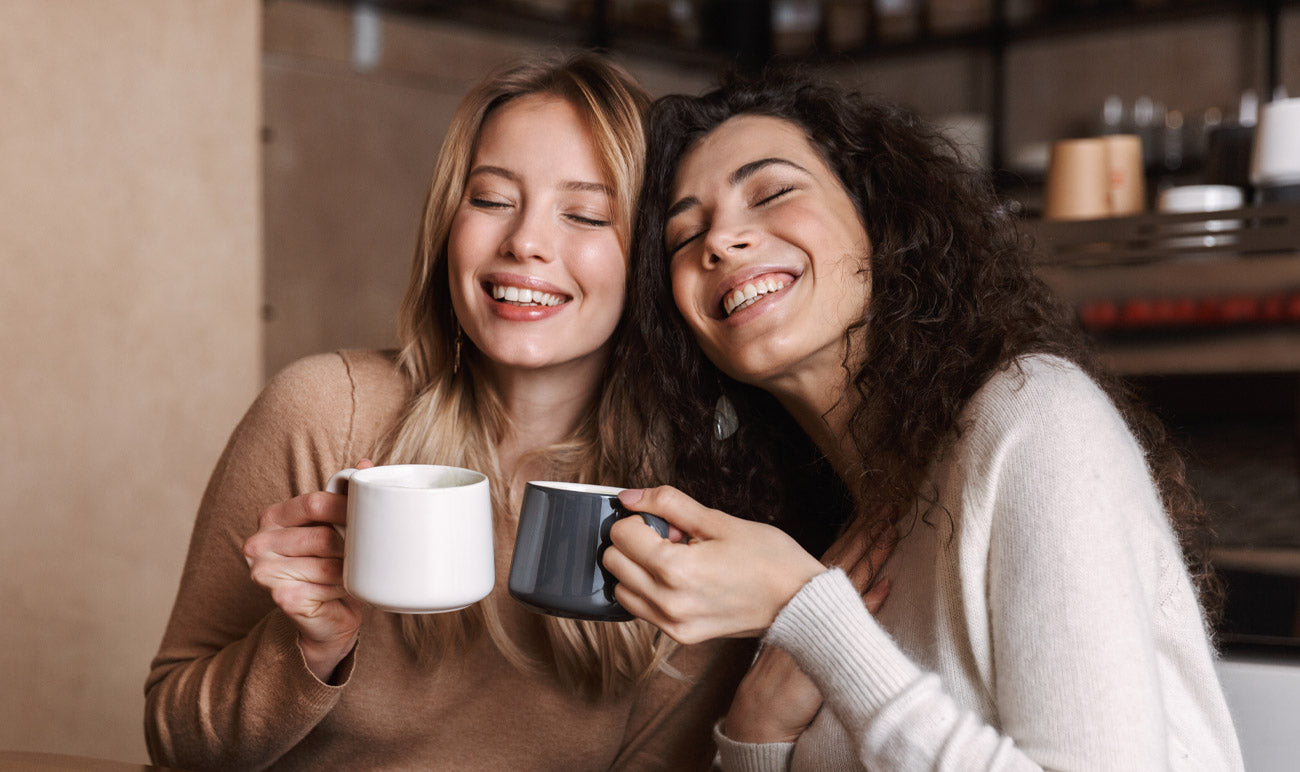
(820, 256)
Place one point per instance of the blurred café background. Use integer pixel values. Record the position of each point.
(194, 194)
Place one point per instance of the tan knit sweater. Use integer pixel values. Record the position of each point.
(229, 689)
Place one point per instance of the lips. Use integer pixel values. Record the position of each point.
(524, 291)
(747, 290)
(524, 296)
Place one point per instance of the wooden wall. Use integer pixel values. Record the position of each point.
(130, 244)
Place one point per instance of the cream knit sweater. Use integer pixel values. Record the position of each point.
(1041, 618)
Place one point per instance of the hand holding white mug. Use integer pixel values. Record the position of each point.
(728, 580)
(297, 555)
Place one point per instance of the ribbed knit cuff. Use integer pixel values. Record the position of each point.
(835, 640)
(309, 691)
(751, 757)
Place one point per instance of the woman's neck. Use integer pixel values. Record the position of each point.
(824, 416)
(544, 406)
(818, 398)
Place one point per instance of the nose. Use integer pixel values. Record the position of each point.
(529, 237)
(728, 241)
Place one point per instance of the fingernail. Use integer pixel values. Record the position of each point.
(631, 496)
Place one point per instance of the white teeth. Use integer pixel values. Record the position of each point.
(525, 296)
(746, 296)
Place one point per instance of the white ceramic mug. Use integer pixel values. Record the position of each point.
(418, 538)
(1276, 157)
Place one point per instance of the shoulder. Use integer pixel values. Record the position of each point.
(342, 398)
(1043, 433)
(323, 383)
(1039, 383)
(1040, 399)
(1042, 426)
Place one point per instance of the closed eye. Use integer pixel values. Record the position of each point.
(485, 203)
(774, 196)
(593, 222)
(673, 250)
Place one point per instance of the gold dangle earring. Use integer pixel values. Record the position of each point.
(455, 362)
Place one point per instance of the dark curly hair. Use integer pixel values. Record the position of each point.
(954, 299)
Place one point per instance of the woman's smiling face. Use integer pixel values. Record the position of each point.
(768, 253)
(538, 273)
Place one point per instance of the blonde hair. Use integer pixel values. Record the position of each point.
(453, 419)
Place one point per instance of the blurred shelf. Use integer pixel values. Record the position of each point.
(713, 35)
(681, 27)
(1215, 292)
(1283, 562)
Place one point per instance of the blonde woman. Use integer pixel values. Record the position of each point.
(508, 332)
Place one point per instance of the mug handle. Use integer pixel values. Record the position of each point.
(656, 522)
(339, 484)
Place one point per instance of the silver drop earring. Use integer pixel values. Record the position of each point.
(725, 422)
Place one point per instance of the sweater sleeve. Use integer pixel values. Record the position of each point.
(897, 715)
(229, 688)
(751, 757)
(1078, 561)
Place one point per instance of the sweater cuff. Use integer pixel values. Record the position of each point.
(750, 757)
(312, 694)
(836, 641)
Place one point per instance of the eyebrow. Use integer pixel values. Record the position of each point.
(738, 176)
(575, 185)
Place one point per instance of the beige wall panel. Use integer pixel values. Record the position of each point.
(347, 162)
(129, 237)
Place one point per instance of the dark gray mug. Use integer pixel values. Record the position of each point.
(563, 533)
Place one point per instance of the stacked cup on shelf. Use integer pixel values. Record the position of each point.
(1095, 177)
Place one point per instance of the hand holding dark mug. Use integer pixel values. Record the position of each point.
(563, 534)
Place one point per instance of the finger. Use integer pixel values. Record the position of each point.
(364, 463)
(638, 542)
(639, 606)
(865, 548)
(628, 571)
(883, 546)
(278, 574)
(690, 516)
(856, 538)
(318, 507)
(308, 508)
(874, 598)
(861, 572)
(880, 551)
(304, 541)
(305, 599)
